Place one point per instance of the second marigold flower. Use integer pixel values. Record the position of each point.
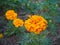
(11, 15)
(18, 22)
(35, 24)
(1, 35)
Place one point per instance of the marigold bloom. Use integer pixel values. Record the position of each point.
(11, 15)
(18, 22)
(1, 35)
(35, 24)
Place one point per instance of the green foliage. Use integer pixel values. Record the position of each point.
(33, 39)
(12, 30)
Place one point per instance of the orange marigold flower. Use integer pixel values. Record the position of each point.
(35, 24)
(11, 15)
(1, 35)
(18, 22)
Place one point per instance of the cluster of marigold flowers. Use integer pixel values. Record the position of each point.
(12, 15)
(35, 23)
